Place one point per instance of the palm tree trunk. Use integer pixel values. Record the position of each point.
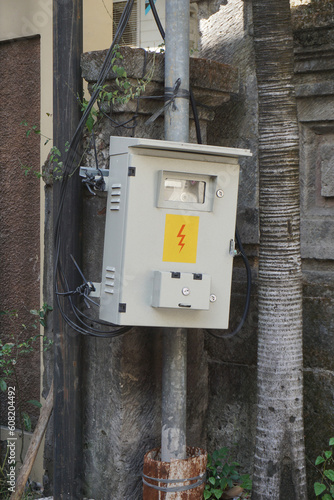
(279, 468)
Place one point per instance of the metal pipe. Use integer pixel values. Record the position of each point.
(174, 371)
(174, 394)
(177, 67)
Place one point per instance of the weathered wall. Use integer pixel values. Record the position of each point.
(314, 76)
(19, 201)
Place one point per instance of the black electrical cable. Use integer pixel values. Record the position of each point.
(229, 335)
(72, 153)
(237, 236)
(91, 331)
(115, 124)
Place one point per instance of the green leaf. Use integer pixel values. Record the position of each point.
(223, 452)
(328, 454)
(326, 497)
(26, 421)
(35, 403)
(331, 442)
(319, 460)
(217, 493)
(90, 123)
(330, 474)
(3, 385)
(319, 488)
(223, 483)
(212, 480)
(229, 482)
(226, 470)
(206, 494)
(246, 482)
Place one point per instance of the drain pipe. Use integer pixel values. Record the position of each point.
(174, 370)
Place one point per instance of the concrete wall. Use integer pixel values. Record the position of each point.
(20, 225)
(19, 203)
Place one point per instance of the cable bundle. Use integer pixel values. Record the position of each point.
(80, 321)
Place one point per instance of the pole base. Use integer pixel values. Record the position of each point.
(177, 479)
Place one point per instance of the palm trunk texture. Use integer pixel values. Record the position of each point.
(279, 468)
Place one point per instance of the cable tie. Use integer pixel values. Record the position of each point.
(170, 94)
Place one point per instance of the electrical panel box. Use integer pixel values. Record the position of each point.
(169, 236)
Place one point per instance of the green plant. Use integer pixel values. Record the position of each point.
(54, 157)
(124, 92)
(325, 465)
(223, 474)
(19, 345)
(34, 129)
(11, 352)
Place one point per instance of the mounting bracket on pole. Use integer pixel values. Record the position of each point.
(95, 179)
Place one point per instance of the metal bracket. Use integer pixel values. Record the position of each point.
(233, 252)
(95, 175)
(97, 292)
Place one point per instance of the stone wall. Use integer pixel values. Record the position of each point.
(314, 77)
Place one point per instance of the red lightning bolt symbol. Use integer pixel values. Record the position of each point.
(182, 236)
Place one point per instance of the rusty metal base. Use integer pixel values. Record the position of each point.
(179, 479)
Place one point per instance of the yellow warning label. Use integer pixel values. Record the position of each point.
(181, 235)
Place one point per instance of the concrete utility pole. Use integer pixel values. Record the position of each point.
(174, 375)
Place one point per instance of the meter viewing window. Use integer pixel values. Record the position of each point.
(184, 190)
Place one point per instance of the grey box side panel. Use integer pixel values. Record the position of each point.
(114, 239)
